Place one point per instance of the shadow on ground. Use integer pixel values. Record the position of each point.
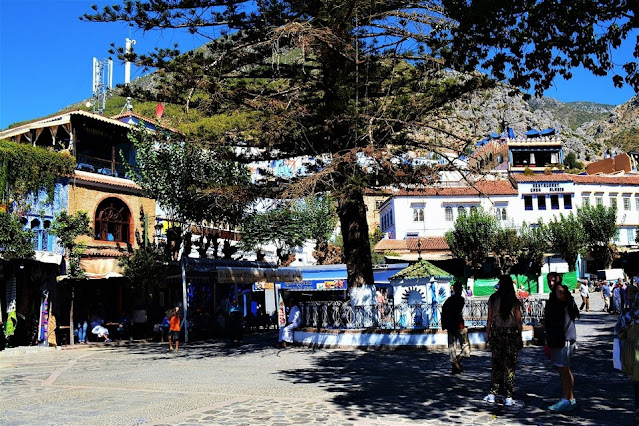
(416, 384)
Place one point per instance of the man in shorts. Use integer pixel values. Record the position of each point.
(174, 329)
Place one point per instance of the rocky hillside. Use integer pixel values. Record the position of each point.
(619, 130)
(588, 128)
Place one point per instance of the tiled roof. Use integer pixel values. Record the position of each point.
(488, 187)
(83, 176)
(410, 244)
(427, 243)
(104, 253)
(542, 177)
(144, 119)
(607, 180)
(390, 244)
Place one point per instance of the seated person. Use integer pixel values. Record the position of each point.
(294, 321)
(101, 331)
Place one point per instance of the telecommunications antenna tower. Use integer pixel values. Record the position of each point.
(102, 83)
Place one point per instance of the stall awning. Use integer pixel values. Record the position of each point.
(240, 275)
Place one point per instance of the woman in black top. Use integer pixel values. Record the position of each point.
(561, 335)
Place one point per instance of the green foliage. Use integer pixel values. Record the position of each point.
(25, 169)
(282, 226)
(15, 242)
(330, 77)
(319, 216)
(68, 228)
(473, 237)
(375, 237)
(194, 185)
(570, 161)
(507, 249)
(144, 268)
(599, 227)
(567, 238)
(534, 241)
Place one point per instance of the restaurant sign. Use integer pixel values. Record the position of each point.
(547, 187)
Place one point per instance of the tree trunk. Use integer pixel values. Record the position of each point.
(357, 252)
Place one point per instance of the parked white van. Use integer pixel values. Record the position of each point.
(611, 274)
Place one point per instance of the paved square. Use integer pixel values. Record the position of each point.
(208, 383)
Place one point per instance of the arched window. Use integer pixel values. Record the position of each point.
(112, 221)
(461, 210)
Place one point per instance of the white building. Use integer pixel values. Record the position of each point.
(430, 212)
(415, 221)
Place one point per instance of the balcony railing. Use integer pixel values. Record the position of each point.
(343, 315)
(101, 166)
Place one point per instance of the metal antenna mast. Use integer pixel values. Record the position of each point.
(102, 83)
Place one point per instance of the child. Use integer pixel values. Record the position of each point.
(174, 328)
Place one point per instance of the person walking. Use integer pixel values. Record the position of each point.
(605, 295)
(561, 334)
(585, 295)
(174, 329)
(627, 328)
(453, 323)
(616, 298)
(503, 332)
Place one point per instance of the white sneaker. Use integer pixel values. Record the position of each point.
(490, 398)
(508, 402)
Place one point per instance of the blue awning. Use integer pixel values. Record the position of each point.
(532, 133)
(547, 132)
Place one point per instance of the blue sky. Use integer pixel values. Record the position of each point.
(46, 56)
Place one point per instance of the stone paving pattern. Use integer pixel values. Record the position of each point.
(210, 383)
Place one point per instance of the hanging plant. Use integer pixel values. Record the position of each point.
(26, 169)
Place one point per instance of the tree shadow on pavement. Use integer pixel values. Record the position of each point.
(417, 385)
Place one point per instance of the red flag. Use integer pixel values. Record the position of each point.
(159, 110)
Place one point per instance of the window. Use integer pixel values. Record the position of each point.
(528, 205)
(449, 214)
(378, 204)
(637, 203)
(412, 234)
(630, 233)
(567, 201)
(500, 213)
(541, 202)
(586, 202)
(473, 209)
(599, 201)
(554, 202)
(613, 202)
(418, 214)
(461, 210)
(626, 204)
(112, 221)
(617, 235)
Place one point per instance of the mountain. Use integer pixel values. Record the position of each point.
(619, 131)
(587, 128)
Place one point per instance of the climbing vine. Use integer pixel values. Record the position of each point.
(26, 169)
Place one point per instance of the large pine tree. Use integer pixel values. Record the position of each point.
(355, 83)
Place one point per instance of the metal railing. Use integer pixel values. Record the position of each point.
(101, 166)
(343, 315)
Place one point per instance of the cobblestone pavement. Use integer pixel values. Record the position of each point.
(209, 383)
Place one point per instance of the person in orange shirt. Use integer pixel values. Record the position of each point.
(174, 328)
